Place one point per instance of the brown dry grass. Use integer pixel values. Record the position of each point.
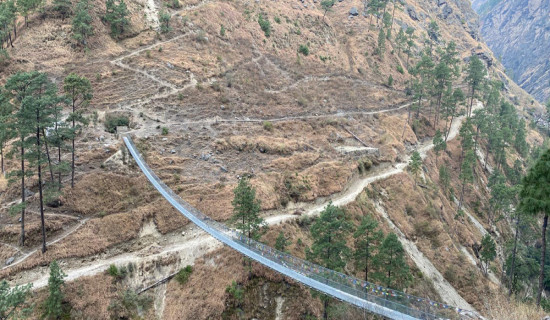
(105, 193)
(33, 231)
(6, 252)
(499, 307)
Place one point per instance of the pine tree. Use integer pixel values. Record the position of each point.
(439, 144)
(6, 130)
(329, 248)
(535, 201)
(53, 308)
(475, 74)
(82, 22)
(400, 40)
(519, 142)
(444, 178)
(415, 164)
(488, 251)
(37, 110)
(245, 210)
(466, 174)
(410, 43)
(381, 43)
(64, 7)
(367, 238)
(13, 301)
(117, 17)
(164, 18)
(392, 268)
(79, 92)
(281, 243)
(450, 102)
(18, 88)
(327, 6)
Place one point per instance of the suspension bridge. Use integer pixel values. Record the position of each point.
(373, 298)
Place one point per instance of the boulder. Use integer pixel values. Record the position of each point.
(353, 11)
(10, 260)
(411, 12)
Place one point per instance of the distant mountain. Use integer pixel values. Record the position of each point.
(518, 32)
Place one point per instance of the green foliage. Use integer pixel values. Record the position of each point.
(175, 4)
(13, 301)
(476, 72)
(393, 270)
(222, 30)
(63, 7)
(399, 69)
(390, 81)
(439, 144)
(303, 49)
(113, 271)
(245, 210)
(488, 251)
(117, 16)
(53, 304)
(164, 131)
(327, 6)
(164, 19)
(367, 238)
(268, 126)
(444, 177)
(111, 122)
(129, 305)
(235, 291)
(265, 25)
(381, 43)
(281, 243)
(183, 275)
(82, 22)
(277, 19)
(329, 233)
(415, 164)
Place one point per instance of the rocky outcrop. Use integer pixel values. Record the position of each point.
(518, 32)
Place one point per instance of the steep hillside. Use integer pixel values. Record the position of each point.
(314, 107)
(518, 32)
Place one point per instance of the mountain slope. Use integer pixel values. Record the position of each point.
(518, 31)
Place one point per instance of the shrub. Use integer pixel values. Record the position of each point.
(164, 131)
(265, 25)
(111, 122)
(222, 30)
(235, 291)
(268, 126)
(113, 271)
(175, 4)
(129, 305)
(324, 58)
(390, 81)
(277, 19)
(303, 49)
(180, 96)
(400, 69)
(148, 54)
(160, 49)
(183, 275)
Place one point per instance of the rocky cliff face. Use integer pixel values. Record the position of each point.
(518, 31)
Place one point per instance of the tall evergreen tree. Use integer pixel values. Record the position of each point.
(64, 7)
(439, 144)
(53, 308)
(245, 210)
(410, 43)
(488, 251)
(393, 270)
(329, 248)
(82, 22)
(20, 87)
(79, 91)
(381, 43)
(6, 130)
(367, 238)
(415, 164)
(327, 6)
(535, 201)
(281, 243)
(475, 74)
(117, 16)
(13, 301)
